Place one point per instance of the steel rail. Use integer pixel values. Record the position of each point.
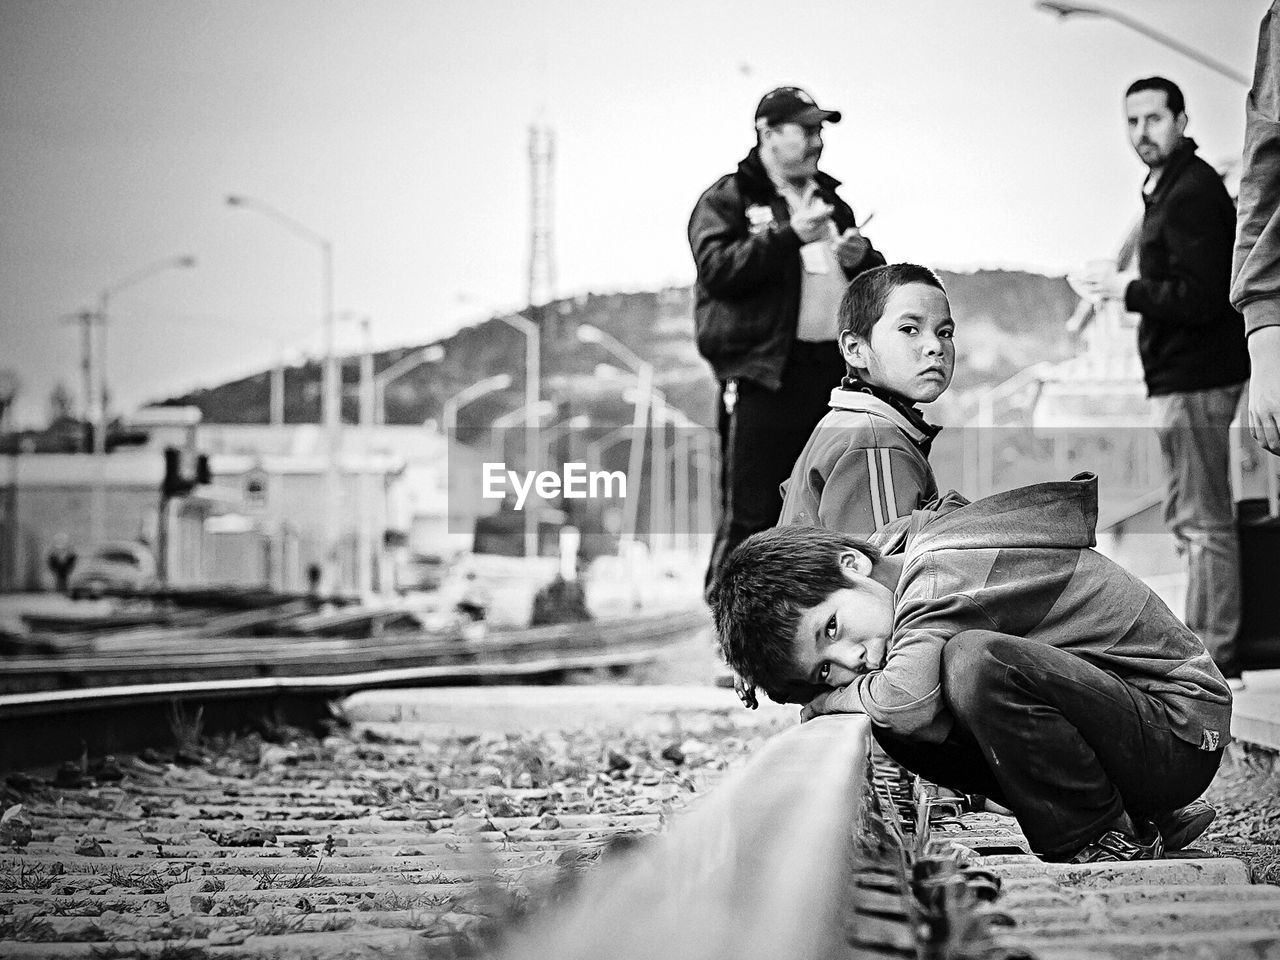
(49, 724)
(215, 658)
(757, 870)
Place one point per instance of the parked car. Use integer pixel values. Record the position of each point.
(116, 567)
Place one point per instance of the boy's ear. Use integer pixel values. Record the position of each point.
(853, 349)
(855, 562)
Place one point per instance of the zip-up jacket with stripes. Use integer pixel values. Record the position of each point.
(1019, 563)
(862, 468)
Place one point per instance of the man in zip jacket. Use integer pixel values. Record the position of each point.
(1192, 344)
(774, 247)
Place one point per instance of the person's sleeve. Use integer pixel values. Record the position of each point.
(1255, 269)
(906, 695)
(868, 487)
(1186, 295)
(731, 261)
(872, 258)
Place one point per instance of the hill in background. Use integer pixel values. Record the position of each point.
(1006, 320)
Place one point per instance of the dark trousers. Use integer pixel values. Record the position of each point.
(761, 439)
(1065, 745)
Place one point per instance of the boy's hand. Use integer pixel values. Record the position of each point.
(850, 247)
(839, 700)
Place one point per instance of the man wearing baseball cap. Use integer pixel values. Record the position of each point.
(775, 248)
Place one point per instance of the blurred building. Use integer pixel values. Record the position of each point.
(261, 519)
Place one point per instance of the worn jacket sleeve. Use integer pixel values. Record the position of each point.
(730, 259)
(906, 695)
(872, 258)
(868, 487)
(1255, 270)
(1185, 294)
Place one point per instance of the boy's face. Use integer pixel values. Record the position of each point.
(845, 635)
(910, 350)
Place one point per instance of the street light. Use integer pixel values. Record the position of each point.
(587, 333)
(532, 390)
(364, 477)
(433, 353)
(1064, 10)
(681, 460)
(597, 447)
(98, 400)
(449, 412)
(330, 412)
(553, 433)
(526, 414)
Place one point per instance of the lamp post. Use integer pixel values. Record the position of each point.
(1064, 10)
(596, 448)
(449, 412)
(432, 353)
(661, 506)
(660, 516)
(553, 433)
(525, 414)
(532, 390)
(10, 386)
(330, 411)
(97, 378)
(364, 476)
(681, 460)
(587, 333)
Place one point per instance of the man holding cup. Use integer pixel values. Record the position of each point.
(1193, 352)
(774, 246)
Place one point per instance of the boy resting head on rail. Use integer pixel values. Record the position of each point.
(995, 653)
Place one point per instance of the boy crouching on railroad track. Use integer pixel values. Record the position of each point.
(866, 463)
(995, 654)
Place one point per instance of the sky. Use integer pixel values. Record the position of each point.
(981, 133)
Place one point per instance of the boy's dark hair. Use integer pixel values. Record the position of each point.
(1172, 92)
(864, 299)
(762, 589)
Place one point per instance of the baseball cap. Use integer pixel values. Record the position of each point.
(793, 105)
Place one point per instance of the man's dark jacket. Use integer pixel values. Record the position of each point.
(747, 297)
(1190, 337)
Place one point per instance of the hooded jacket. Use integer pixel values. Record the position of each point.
(747, 295)
(865, 465)
(1019, 563)
(1256, 267)
(1190, 337)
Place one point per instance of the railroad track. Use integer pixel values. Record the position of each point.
(198, 655)
(390, 838)
(128, 695)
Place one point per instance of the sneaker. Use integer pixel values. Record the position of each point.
(1115, 846)
(1179, 828)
